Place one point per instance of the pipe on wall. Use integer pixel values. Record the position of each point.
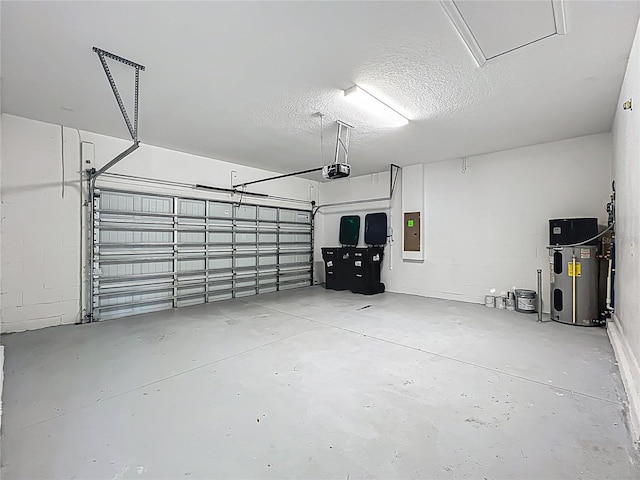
(539, 295)
(609, 272)
(573, 285)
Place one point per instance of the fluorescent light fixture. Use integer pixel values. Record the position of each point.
(375, 106)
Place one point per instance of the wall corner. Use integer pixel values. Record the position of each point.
(630, 373)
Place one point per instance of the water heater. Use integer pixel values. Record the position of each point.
(574, 272)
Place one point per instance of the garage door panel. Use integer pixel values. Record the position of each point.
(136, 298)
(220, 210)
(218, 296)
(125, 311)
(290, 285)
(219, 263)
(268, 214)
(132, 202)
(191, 265)
(192, 237)
(134, 236)
(131, 268)
(295, 238)
(221, 237)
(191, 207)
(244, 262)
(268, 259)
(268, 276)
(245, 212)
(221, 286)
(294, 258)
(294, 216)
(242, 237)
(243, 250)
(245, 292)
(153, 252)
(190, 301)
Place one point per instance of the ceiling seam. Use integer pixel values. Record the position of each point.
(522, 46)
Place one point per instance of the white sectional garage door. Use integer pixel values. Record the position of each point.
(153, 252)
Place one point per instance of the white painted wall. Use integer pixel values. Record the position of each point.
(41, 229)
(42, 241)
(488, 227)
(624, 329)
(161, 163)
(327, 223)
(1, 346)
(412, 191)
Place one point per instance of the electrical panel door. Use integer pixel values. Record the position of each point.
(412, 232)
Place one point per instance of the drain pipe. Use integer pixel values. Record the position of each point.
(539, 295)
(609, 309)
(573, 283)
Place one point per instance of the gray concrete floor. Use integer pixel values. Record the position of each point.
(310, 384)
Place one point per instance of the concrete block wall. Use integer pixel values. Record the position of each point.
(42, 247)
(487, 226)
(41, 241)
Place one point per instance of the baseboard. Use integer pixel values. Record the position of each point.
(24, 325)
(630, 373)
(1, 385)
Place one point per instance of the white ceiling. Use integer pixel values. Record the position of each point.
(241, 81)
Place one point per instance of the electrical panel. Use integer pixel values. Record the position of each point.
(412, 231)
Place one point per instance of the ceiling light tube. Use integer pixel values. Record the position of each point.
(378, 107)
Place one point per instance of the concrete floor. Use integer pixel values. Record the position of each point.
(316, 384)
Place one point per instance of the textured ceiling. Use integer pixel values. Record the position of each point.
(241, 81)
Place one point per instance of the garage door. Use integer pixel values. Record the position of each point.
(154, 252)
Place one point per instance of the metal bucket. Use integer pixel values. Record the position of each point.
(525, 301)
